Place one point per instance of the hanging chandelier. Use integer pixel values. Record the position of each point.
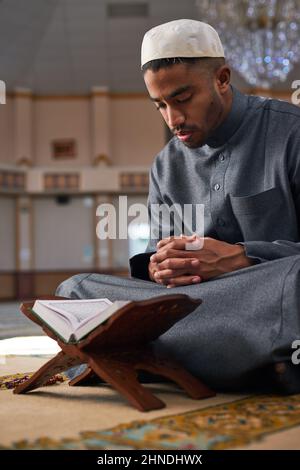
(261, 38)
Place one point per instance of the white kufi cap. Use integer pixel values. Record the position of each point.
(181, 38)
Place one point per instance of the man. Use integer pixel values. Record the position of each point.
(239, 156)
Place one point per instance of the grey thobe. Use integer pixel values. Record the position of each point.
(247, 175)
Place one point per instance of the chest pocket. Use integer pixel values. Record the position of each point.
(264, 216)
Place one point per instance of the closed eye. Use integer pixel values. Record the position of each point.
(183, 99)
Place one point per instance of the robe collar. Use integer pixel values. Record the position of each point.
(232, 122)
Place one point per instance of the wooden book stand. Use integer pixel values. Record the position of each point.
(120, 347)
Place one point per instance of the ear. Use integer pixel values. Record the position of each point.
(223, 75)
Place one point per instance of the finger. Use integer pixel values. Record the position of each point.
(160, 256)
(166, 241)
(176, 243)
(196, 244)
(159, 281)
(169, 273)
(166, 253)
(178, 263)
(184, 281)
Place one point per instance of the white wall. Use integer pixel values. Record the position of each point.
(135, 130)
(62, 119)
(63, 234)
(138, 132)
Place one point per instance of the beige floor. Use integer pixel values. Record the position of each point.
(63, 411)
(76, 408)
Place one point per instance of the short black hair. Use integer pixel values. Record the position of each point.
(211, 63)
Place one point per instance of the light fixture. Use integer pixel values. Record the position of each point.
(261, 38)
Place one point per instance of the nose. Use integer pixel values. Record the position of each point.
(175, 117)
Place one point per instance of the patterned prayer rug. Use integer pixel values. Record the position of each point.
(12, 381)
(223, 426)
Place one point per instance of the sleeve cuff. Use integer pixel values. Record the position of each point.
(254, 251)
(139, 265)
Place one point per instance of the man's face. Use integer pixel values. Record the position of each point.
(189, 100)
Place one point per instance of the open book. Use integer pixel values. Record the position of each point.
(72, 320)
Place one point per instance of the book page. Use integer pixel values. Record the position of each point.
(78, 311)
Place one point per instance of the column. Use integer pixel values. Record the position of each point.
(23, 126)
(24, 248)
(100, 125)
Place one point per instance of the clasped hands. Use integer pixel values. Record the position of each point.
(175, 265)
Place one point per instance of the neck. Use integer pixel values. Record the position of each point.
(224, 111)
(228, 98)
(234, 108)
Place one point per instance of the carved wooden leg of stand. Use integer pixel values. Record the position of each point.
(146, 359)
(167, 368)
(122, 377)
(59, 363)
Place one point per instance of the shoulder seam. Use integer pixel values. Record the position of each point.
(277, 110)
